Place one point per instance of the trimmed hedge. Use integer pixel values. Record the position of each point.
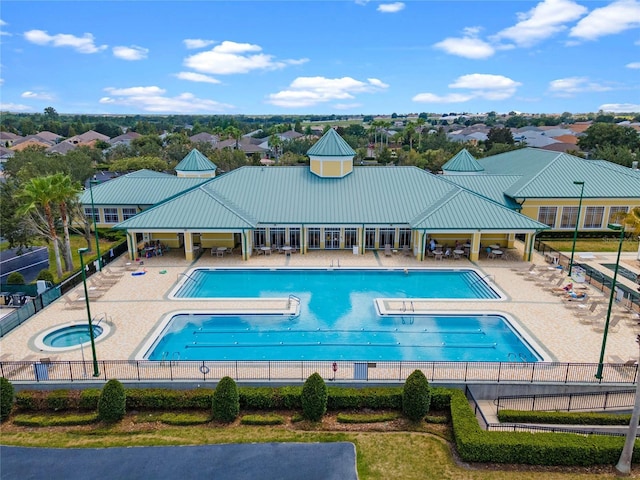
(262, 420)
(112, 403)
(416, 396)
(314, 398)
(226, 402)
(567, 418)
(6, 398)
(31, 420)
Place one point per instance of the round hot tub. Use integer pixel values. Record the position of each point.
(70, 336)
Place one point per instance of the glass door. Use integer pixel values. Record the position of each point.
(331, 238)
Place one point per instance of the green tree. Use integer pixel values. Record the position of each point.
(147, 145)
(15, 278)
(226, 400)
(6, 398)
(599, 135)
(14, 227)
(39, 193)
(416, 396)
(314, 398)
(499, 135)
(64, 192)
(138, 163)
(51, 113)
(112, 403)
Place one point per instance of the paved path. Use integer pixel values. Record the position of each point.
(266, 461)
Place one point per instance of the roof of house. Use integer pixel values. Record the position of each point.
(61, 148)
(547, 174)
(143, 188)
(195, 161)
(52, 137)
(124, 138)
(490, 186)
(87, 137)
(204, 137)
(463, 161)
(8, 136)
(331, 145)
(250, 196)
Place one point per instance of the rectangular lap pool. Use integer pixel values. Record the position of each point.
(355, 336)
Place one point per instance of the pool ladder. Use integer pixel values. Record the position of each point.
(292, 298)
(186, 275)
(405, 307)
(174, 358)
(514, 357)
(489, 276)
(337, 260)
(102, 317)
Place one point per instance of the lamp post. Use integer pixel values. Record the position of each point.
(96, 372)
(95, 224)
(575, 232)
(616, 227)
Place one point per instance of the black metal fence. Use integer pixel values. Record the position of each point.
(567, 401)
(299, 371)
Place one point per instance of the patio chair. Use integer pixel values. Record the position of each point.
(387, 250)
(557, 287)
(614, 324)
(97, 285)
(525, 270)
(549, 281)
(73, 303)
(406, 251)
(621, 361)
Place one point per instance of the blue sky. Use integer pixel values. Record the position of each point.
(320, 57)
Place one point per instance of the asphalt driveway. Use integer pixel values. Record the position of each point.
(266, 461)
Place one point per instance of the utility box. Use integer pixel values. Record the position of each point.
(355, 249)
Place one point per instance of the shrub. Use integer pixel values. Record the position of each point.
(15, 278)
(58, 400)
(314, 398)
(112, 403)
(226, 401)
(45, 275)
(262, 420)
(6, 398)
(416, 396)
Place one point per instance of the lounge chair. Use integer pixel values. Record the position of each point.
(99, 285)
(614, 324)
(557, 287)
(592, 319)
(549, 281)
(406, 251)
(525, 271)
(387, 250)
(621, 361)
(73, 303)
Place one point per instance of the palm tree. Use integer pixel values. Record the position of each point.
(631, 222)
(64, 191)
(39, 192)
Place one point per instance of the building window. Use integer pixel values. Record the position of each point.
(593, 217)
(350, 237)
(387, 236)
(569, 217)
(127, 213)
(277, 237)
(294, 237)
(370, 238)
(547, 215)
(259, 236)
(96, 214)
(404, 237)
(111, 215)
(314, 238)
(616, 214)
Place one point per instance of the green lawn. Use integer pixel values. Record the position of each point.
(593, 245)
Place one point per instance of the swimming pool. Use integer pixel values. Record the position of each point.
(337, 286)
(438, 337)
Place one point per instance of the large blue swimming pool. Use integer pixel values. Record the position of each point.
(336, 287)
(355, 336)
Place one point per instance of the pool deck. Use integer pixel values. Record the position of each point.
(136, 305)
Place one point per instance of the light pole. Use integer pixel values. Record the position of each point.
(95, 224)
(96, 372)
(616, 227)
(624, 462)
(575, 232)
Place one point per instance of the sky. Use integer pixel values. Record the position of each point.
(320, 57)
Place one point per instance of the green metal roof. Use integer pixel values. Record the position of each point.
(463, 161)
(195, 161)
(331, 145)
(547, 174)
(249, 196)
(140, 188)
(490, 186)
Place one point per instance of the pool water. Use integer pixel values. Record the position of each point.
(337, 286)
(353, 337)
(71, 336)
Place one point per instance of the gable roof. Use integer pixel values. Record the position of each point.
(249, 196)
(195, 161)
(463, 161)
(141, 188)
(331, 145)
(489, 186)
(547, 174)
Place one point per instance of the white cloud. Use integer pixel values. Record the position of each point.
(196, 77)
(230, 57)
(467, 47)
(482, 86)
(37, 95)
(152, 99)
(3, 24)
(130, 53)
(15, 107)
(613, 18)
(544, 20)
(633, 65)
(193, 43)
(310, 91)
(84, 44)
(620, 107)
(390, 7)
(566, 87)
(433, 98)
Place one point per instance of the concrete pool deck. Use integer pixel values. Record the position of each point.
(135, 305)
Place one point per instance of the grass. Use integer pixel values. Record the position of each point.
(418, 455)
(593, 245)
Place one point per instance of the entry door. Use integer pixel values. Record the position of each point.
(331, 238)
